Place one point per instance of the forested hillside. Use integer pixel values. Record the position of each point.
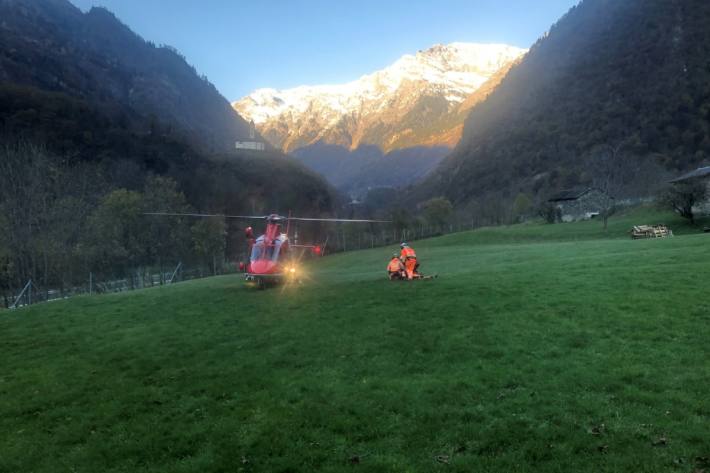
(61, 220)
(78, 134)
(52, 45)
(98, 126)
(631, 74)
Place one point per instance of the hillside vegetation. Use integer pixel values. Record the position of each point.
(582, 354)
(60, 221)
(630, 74)
(51, 45)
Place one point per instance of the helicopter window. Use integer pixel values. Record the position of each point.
(276, 249)
(260, 250)
(257, 250)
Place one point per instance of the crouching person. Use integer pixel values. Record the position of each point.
(395, 268)
(409, 257)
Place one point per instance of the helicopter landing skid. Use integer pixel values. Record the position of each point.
(262, 281)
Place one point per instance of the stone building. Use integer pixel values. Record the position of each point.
(699, 175)
(252, 144)
(580, 204)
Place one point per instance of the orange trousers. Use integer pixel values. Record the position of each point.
(410, 264)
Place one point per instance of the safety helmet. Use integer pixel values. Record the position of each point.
(403, 244)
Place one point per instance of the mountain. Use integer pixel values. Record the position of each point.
(390, 108)
(54, 46)
(632, 74)
(95, 95)
(417, 103)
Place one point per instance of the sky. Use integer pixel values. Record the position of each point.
(245, 45)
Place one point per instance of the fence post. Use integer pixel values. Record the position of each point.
(177, 268)
(91, 283)
(22, 293)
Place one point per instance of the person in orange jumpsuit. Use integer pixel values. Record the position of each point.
(409, 256)
(395, 268)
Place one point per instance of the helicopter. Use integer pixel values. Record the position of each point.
(271, 259)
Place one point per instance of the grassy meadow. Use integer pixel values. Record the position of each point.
(551, 348)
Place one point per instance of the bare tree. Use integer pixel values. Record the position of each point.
(25, 190)
(549, 212)
(683, 196)
(610, 168)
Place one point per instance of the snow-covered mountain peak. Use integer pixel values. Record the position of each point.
(302, 115)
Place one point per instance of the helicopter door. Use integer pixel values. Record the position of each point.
(276, 250)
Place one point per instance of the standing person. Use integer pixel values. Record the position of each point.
(395, 268)
(409, 256)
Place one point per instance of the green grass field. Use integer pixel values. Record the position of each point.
(539, 348)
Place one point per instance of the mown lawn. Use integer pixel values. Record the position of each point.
(539, 348)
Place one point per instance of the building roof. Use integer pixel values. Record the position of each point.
(698, 173)
(570, 194)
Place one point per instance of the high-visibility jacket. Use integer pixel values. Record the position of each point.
(395, 266)
(407, 253)
(411, 267)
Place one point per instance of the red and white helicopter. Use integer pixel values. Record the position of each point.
(271, 259)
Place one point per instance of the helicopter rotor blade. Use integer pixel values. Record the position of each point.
(263, 217)
(343, 220)
(171, 214)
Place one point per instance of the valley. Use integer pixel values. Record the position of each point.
(388, 128)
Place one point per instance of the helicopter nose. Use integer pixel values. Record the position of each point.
(263, 267)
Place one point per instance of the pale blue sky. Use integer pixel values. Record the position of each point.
(243, 45)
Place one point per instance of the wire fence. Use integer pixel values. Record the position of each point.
(32, 293)
(343, 240)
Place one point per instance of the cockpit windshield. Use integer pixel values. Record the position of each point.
(261, 251)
